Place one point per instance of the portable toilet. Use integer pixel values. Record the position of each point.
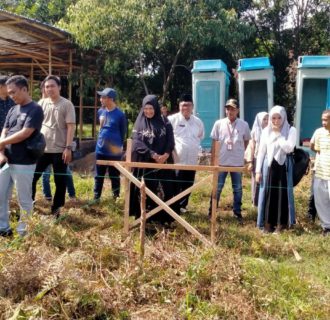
(255, 86)
(313, 95)
(210, 81)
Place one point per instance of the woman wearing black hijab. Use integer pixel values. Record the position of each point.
(153, 141)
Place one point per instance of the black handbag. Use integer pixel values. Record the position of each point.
(300, 165)
(36, 144)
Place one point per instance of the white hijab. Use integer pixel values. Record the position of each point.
(274, 151)
(257, 126)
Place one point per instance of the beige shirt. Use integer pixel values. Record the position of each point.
(54, 127)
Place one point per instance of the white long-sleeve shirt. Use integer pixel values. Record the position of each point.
(270, 146)
(188, 135)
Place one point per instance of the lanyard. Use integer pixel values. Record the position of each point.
(231, 132)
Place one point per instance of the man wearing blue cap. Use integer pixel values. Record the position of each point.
(110, 141)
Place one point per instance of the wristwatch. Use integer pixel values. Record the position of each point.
(68, 147)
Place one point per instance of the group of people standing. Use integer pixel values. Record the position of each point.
(267, 151)
(54, 117)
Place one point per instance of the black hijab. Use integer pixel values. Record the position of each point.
(151, 135)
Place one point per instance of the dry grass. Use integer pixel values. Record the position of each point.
(83, 267)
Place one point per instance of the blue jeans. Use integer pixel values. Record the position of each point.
(21, 176)
(46, 190)
(236, 182)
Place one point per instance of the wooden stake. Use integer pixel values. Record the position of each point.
(127, 188)
(143, 218)
(215, 162)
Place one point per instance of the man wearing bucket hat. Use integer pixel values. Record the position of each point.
(109, 146)
(234, 135)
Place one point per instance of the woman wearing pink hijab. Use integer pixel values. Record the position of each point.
(274, 173)
(251, 152)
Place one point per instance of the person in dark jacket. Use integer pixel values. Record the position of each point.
(153, 141)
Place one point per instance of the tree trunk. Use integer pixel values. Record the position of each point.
(171, 72)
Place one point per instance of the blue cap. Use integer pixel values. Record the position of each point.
(108, 92)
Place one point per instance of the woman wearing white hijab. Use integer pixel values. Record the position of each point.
(274, 173)
(251, 152)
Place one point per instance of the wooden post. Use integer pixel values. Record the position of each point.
(95, 113)
(143, 218)
(214, 162)
(70, 75)
(80, 108)
(127, 188)
(31, 79)
(49, 58)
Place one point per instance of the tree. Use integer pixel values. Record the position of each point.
(49, 11)
(151, 36)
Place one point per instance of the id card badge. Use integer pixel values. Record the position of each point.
(229, 145)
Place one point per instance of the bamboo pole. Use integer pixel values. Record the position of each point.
(127, 188)
(163, 205)
(214, 161)
(143, 218)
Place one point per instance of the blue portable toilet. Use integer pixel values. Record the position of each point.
(313, 95)
(255, 86)
(210, 80)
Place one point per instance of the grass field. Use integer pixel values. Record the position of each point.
(83, 267)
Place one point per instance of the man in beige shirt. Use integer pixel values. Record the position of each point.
(58, 129)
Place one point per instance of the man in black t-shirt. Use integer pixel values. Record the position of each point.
(17, 165)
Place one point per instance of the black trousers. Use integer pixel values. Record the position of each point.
(184, 180)
(59, 169)
(113, 175)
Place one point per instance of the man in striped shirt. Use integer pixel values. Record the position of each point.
(321, 145)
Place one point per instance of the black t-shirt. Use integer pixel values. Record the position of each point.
(19, 117)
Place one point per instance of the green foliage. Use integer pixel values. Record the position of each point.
(49, 11)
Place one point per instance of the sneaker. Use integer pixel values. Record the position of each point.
(7, 233)
(183, 210)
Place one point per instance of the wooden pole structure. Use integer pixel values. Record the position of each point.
(143, 218)
(95, 112)
(214, 162)
(31, 79)
(49, 58)
(127, 187)
(70, 75)
(172, 200)
(162, 204)
(80, 108)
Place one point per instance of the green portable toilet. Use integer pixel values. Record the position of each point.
(313, 95)
(210, 81)
(255, 86)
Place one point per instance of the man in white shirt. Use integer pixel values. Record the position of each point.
(234, 135)
(188, 132)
